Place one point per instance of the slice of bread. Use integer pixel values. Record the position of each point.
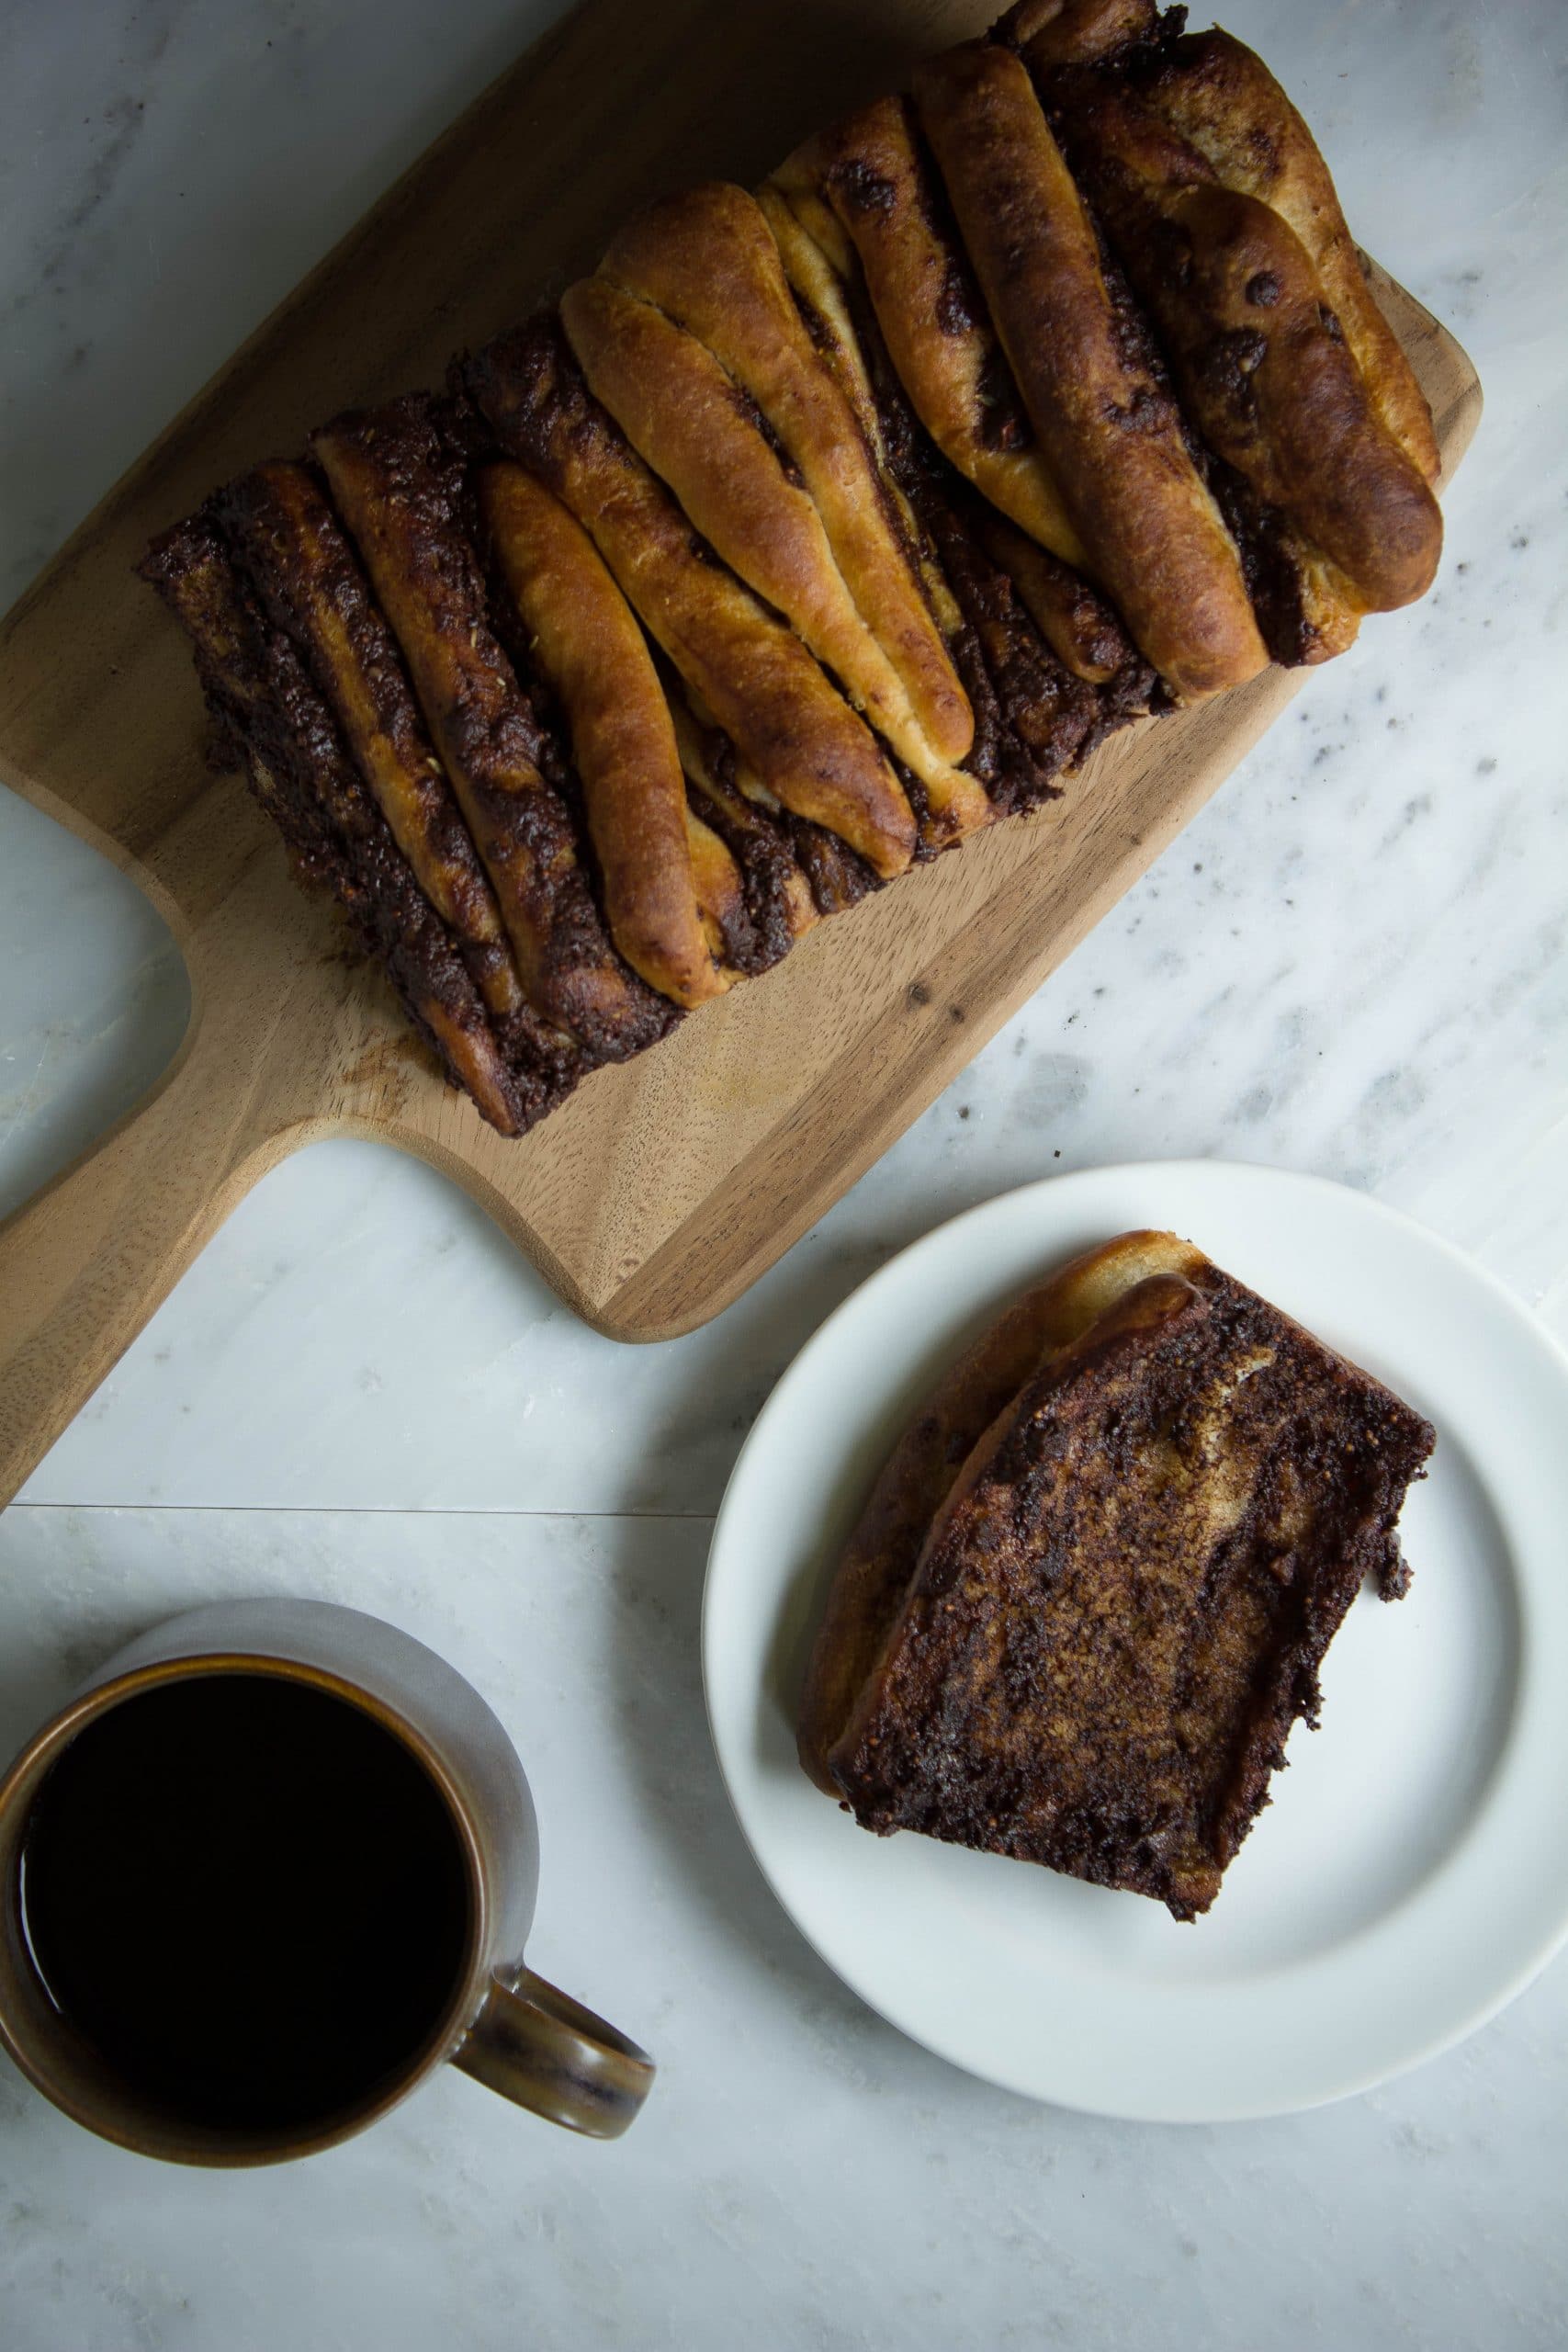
(1093, 1589)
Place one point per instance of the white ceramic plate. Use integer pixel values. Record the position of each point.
(1411, 1874)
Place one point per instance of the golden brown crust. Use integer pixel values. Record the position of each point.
(1259, 360)
(590, 652)
(385, 471)
(296, 553)
(1031, 720)
(692, 425)
(1032, 716)
(1091, 1284)
(762, 686)
(1074, 32)
(816, 271)
(708, 260)
(817, 277)
(1154, 536)
(869, 172)
(1222, 98)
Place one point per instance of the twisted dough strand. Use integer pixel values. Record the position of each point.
(1152, 531)
(762, 686)
(295, 551)
(708, 260)
(593, 655)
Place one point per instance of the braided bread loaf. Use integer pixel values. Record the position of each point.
(819, 528)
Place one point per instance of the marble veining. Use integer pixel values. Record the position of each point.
(1352, 963)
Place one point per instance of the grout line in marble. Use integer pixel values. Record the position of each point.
(367, 1510)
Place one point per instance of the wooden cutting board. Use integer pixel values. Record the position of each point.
(664, 1187)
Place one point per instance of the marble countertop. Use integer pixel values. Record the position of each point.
(1352, 963)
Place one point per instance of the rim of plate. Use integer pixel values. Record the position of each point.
(797, 1378)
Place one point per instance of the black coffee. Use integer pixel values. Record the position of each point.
(248, 1896)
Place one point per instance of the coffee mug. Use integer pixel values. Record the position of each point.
(432, 1773)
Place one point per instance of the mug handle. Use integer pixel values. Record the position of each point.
(544, 2050)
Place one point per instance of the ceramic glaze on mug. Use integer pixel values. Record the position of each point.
(273, 1865)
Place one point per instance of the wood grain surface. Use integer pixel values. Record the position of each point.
(667, 1185)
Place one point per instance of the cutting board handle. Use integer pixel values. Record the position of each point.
(84, 1264)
